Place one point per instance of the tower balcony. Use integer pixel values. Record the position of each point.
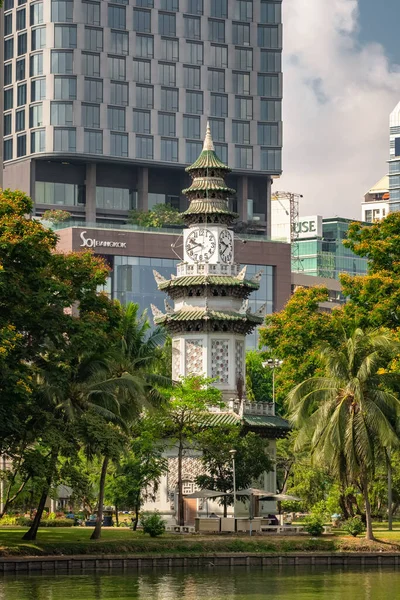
(185, 269)
(259, 409)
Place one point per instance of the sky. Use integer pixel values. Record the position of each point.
(341, 81)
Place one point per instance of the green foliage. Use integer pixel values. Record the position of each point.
(354, 526)
(153, 524)
(258, 378)
(56, 216)
(314, 525)
(161, 215)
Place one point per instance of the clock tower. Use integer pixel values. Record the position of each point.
(210, 317)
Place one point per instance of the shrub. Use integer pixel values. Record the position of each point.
(354, 526)
(152, 524)
(314, 525)
(56, 216)
(8, 520)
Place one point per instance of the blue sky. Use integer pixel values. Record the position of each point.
(379, 22)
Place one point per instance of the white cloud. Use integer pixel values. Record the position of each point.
(338, 95)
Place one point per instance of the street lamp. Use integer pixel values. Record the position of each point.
(273, 363)
(233, 454)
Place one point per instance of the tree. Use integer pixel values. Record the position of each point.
(348, 417)
(161, 215)
(258, 378)
(56, 216)
(251, 461)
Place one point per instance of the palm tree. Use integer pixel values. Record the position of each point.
(349, 417)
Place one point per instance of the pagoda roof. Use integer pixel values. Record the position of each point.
(208, 158)
(272, 426)
(212, 206)
(209, 184)
(204, 314)
(189, 280)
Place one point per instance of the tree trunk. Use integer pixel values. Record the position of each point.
(32, 531)
(225, 507)
(9, 500)
(96, 535)
(368, 517)
(181, 506)
(136, 520)
(116, 516)
(390, 492)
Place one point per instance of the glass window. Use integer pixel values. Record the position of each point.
(241, 82)
(271, 12)
(219, 56)
(65, 36)
(172, 5)
(19, 70)
(141, 121)
(271, 62)
(144, 147)
(244, 157)
(7, 124)
(244, 58)
(170, 99)
(64, 88)
(93, 39)
(21, 19)
(169, 150)
(219, 105)
(144, 46)
(241, 132)
(119, 144)
(59, 193)
(194, 53)
(192, 27)
(116, 118)
(219, 8)
(141, 20)
(145, 3)
(8, 48)
(166, 124)
(166, 24)
(91, 64)
(144, 96)
(243, 108)
(268, 134)
(9, 98)
(193, 150)
(216, 31)
(117, 68)
(141, 71)
(167, 73)
(221, 151)
(115, 198)
(8, 4)
(269, 85)
(93, 142)
(61, 62)
(91, 115)
(38, 38)
(191, 127)
(36, 13)
(119, 93)
(8, 28)
(22, 44)
(93, 90)
(35, 65)
(269, 36)
(21, 94)
(241, 34)
(169, 49)
(38, 89)
(8, 149)
(271, 110)
(8, 73)
(244, 10)
(116, 16)
(38, 140)
(20, 120)
(61, 113)
(21, 145)
(195, 7)
(119, 42)
(192, 76)
(217, 129)
(194, 102)
(62, 11)
(216, 80)
(91, 13)
(271, 160)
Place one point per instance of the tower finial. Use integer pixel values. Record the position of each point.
(208, 142)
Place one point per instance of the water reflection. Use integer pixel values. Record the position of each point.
(209, 584)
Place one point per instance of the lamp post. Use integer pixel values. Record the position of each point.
(273, 363)
(233, 454)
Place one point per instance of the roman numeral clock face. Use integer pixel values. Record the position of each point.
(225, 246)
(200, 245)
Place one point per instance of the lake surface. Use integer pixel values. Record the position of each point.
(209, 584)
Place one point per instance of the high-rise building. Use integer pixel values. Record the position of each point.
(394, 160)
(376, 202)
(104, 102)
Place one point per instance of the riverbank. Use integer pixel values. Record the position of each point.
(76, 542)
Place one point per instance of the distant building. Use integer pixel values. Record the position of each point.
(394, 160)
(335, 296)
(376, 202)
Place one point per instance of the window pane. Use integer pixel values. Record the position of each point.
(166, 124)
(21, 94)
(61, 113)
(142, 71)
(194, 53)
(170, 99)
(216, 31)
(36, 65)
(167, 74)
(8, 72)
(243, 108)
(192, 77)
(36, 13)
(38, 89)
(244, 58)
(218, 130)
(91, 13)
(144, 147)
(270, 12)
(195, 7)
(21, 145)
(169, 49)
(141, 121)
(119, 144)
(93, 39)
(172, 5)
(268, 134)
(144, 46)
(38, 141)
(271, 160)
(22, 44)
(8, 24)
(61, 62)
(269, 36)
(119, 93)
(65, 88)
(194, 102)
(64, 141)
(116, 118)
(192, 27)
(21, 19)
(271, 62)
(169, 150)
(269, 85)
(93, 90)
(219, 105)
(191, 127)
(117, 68)
(62, 11)
(93, 142)
(119, 42)
(91, 115)
(241, 132)
(219, 56)
(19, 70)
(20, 120)
(91, 64)
(271, 110)
(144, 96)
(244, 157)
(7, 124)
(141, 20)
(65, 36)
(116, 16)
(166, 24)
(219, 8)
(244, 10)
(8, 48)
(8, 149)
(216, 80)
(193, 150)
(241, 82)
(8, 99)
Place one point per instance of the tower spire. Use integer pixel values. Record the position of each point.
(208, 141)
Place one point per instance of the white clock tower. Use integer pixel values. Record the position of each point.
(210, 317)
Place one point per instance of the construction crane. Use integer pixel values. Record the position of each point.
(294, 214)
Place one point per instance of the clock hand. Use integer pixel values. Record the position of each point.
(195, 244)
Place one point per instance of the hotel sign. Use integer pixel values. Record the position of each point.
(92, 242)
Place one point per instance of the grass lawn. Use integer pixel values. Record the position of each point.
(76, 540)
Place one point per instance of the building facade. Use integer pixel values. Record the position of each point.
(104, 102)
(376, 203)
(394, 160)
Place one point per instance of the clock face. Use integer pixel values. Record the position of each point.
(200, 245)
(225, 246)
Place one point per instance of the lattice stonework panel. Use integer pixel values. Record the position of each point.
(176, 359)
(191, 468)
(239, 355)
(194, 357)
(220, 360)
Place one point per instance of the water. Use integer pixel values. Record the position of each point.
(209, 584)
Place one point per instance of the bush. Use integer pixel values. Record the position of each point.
(152, 524)
(314, 525)
(354, 526)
